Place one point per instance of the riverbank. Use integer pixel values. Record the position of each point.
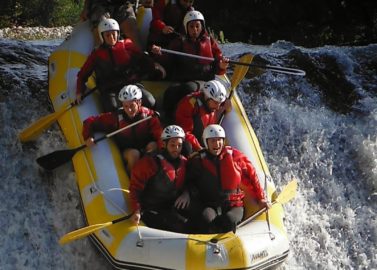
(35, 33)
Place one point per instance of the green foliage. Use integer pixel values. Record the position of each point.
(39, 12)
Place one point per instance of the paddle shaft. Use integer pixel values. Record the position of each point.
(75, 103)
(36, 128)
(121, 219)
(285, 70)
(287, 194)
(120, 130)
(83, 232)
(58, 158)
(259, 212)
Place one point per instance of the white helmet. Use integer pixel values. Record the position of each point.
(193, 15)
(212, 131)
(107, 25)
(215, 90)
(130, 92)
(172, 131)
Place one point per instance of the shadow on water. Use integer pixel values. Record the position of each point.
(326, 74)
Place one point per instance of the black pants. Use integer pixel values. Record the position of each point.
(174, 94)
(221, 220)
(165, 219)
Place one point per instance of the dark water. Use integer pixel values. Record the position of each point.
(320, 129)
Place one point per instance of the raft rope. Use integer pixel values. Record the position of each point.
(214, 241)
(272, 236)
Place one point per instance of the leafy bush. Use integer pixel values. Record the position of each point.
(39, 12)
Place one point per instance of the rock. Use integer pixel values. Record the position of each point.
(35, 33)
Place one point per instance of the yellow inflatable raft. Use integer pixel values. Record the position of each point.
(103, 182)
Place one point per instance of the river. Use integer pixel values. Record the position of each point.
(320, 129)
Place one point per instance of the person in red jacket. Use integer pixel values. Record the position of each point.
(188, 69)
(167, 20)
(143, 137)
(116, 63)
(157, 187)
(216, 175)
(198, 110)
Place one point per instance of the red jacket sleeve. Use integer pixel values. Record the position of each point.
(105, 122)
(143, 170)
(249, 175)
(84, 73)
(184, 118)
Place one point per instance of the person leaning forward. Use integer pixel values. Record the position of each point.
(184, 69)
(116, 63)
(133, 142)
(157, 187)
(215, 175)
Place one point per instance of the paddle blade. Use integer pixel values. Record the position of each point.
(35, 129)
(240, 71)
(55, 159)
(288, 192)
(83, 232)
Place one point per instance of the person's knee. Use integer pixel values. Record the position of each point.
(209, 214)
(131, 156)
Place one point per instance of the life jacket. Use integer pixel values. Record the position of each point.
(163, 188)
(220, 180)
(137, 136)
(193, 68)
(117, 64)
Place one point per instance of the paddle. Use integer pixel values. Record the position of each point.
(59, 157)
(285, 70)
(287, 194)
(36, 128)
(238, 75)
(83, 232)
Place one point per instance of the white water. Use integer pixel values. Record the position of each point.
(332, 221)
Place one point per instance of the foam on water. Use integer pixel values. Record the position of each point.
(332, 222)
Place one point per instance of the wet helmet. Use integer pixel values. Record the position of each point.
(172, 131)
(130, 92)
(107, 25)
(193, 15)
(215, 90)
(212, 131)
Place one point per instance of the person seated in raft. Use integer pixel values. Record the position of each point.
(141, 138)
(157, 187)
(167, 21)
(189, 69)
(198, 110)
(122, 11)
(117, 63)
(215, 175)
